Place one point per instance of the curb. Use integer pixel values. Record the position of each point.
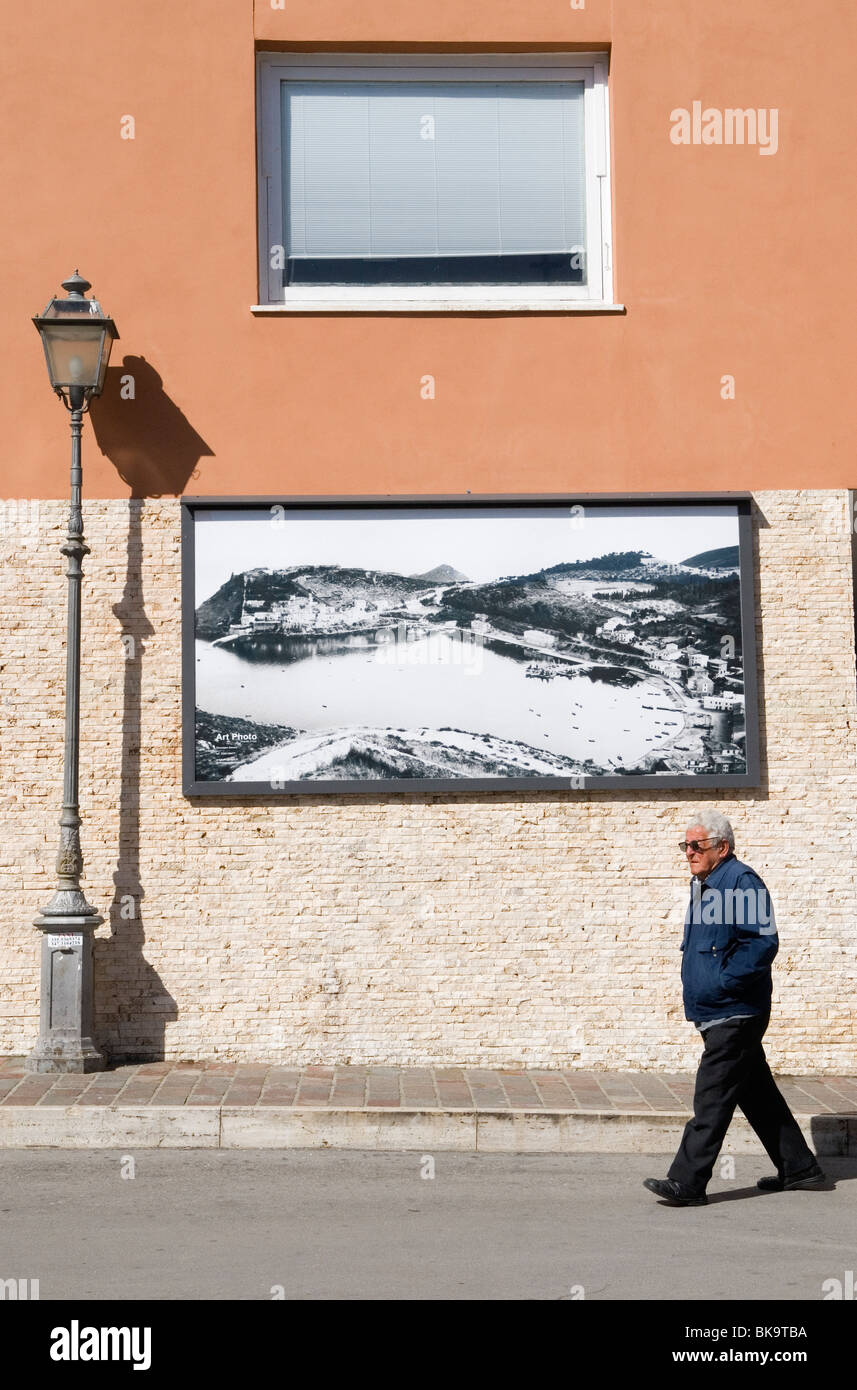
(462, 1131)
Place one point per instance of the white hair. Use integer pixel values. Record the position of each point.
(717, 827)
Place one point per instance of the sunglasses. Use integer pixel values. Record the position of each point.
(696, 845)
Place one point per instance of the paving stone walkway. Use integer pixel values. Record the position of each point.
(213, 1083)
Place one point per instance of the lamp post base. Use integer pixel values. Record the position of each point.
(65, 1042)
(78, 1056)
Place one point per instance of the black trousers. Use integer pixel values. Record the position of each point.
(734, 1071)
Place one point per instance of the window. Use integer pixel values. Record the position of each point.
(409, 182)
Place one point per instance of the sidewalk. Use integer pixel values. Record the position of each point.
(212, 1104)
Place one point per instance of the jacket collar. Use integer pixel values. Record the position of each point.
(717, 874)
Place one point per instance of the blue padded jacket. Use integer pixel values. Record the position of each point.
(730, 940)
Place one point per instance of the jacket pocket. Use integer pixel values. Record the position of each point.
(736, 986)
(710, 990)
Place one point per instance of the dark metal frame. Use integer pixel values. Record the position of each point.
(692, 781)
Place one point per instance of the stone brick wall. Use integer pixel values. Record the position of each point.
(494, 928)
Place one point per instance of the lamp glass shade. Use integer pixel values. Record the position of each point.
(77, 338)
(77, 354)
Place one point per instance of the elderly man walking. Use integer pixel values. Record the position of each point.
(730, 940)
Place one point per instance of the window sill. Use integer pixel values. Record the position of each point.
(439, 306)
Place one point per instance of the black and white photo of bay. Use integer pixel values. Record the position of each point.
(362, 644)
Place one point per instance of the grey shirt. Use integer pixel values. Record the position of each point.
(713, 1022)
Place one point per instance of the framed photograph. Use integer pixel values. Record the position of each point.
(369, 644)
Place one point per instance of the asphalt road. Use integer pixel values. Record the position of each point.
(353, 1225)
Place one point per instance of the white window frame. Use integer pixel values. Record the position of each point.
(276, 68)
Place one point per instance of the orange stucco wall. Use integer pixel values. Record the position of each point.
(728, 262)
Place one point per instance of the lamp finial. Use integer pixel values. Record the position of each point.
(75, 286)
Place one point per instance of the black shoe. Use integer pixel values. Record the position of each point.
(812, 1177)
(673, 1193)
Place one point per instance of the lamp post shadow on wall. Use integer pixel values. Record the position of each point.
(155, 450)
(77, 338)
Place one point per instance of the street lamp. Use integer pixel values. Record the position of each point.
(77, 338)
